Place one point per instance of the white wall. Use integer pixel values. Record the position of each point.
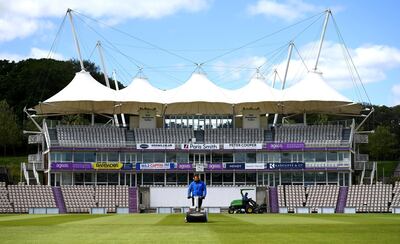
(177, 196)
(147, 118)
(251, 118)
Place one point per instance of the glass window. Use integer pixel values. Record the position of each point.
(309, 178)
(182, 178)
(228, 158)
(159, 178)
(240, 157)
(148, 158)
(332, 177)
(101, 178)
(66, 178)
(320, 156)
(147, 178)
(182, 157)
(101, 157)
(90, 157)
(171, 178)
(286, 178)
(67, 157)
(286, 158)
(113, 157)
(297, 176)
(216, 178)
(171, 157)
(251, 178)
(251, 158)
(332, 156)
(274, 157)
(240, 178)
(321, 176)
(89, 178)
(113, 178)
(309, 157)
(79, 157)
(227, 178)
(79, 178)
(217, 157)
(159, 157)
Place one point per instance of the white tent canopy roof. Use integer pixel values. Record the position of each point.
(140, 94)
(83, 94)
(198, 95)
(256, 94)
(312, 88)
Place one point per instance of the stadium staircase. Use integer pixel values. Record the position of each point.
(273, 200)
(133, 200)
(58, 197)
(341, 203)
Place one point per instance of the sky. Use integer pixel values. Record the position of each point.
(230, 41)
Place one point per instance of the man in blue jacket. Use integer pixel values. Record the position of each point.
(197, 189)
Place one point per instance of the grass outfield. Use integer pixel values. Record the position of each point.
(222, 228)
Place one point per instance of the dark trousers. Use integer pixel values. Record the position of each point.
(200, 202)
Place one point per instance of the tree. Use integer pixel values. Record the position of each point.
(383, 144)
(10, 134)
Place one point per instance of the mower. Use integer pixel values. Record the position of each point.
(195, 213)
(246, 205)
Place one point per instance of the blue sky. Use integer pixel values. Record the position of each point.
(198, 31)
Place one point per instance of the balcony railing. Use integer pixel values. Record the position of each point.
(35, 139)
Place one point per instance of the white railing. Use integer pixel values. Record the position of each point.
(35, 174)
(25, 172)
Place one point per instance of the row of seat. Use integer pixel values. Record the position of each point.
(164, 135)
(23, 197)
(98, 136)
(81, 198)
(108, 136)
(369, 198)
(237, 135)
(309, 134)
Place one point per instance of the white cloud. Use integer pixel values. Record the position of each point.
(22, 18)
(237, 70)
(396, 94)
(288, 10)
(35, 53)
(372, 62)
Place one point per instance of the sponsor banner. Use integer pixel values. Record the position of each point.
(154, 166)
(285, 146)
(254, 166)
(217, 166)
(127, 166)
(70, 166)
(107, 165)
(234, 166)
(184, 166)
(285, 166)
(156, 146)
(200, 146)
(243, 146)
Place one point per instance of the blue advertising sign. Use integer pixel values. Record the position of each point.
(154, 166)
(234, 166)
(127, 166)
(273, 166)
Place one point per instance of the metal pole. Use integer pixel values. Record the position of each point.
(78, 49)
(114, 74)
(321, 41)
(105, 74)
(291, 44)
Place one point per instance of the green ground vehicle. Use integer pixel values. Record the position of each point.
(246, 205)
